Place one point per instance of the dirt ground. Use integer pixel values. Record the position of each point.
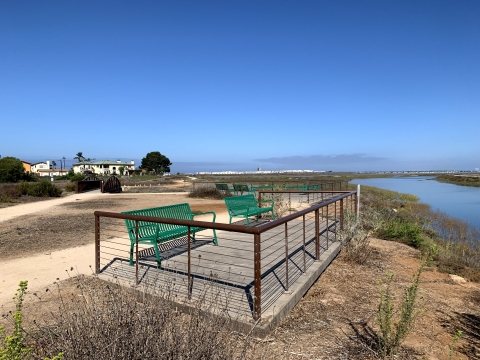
(335, 320)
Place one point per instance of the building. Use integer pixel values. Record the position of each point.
(39, 166)
(103, 167)
(27, 166)
(52, 172)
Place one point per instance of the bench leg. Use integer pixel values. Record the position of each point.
(157, 255)
(215, 240)
(132, 245)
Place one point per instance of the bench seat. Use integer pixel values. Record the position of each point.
(156, 233)
(245, 206)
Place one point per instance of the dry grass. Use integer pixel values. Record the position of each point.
(95, 319)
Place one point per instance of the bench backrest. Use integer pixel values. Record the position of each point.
(222, 187)
(241, 202)
(241, 188)
(145, 228)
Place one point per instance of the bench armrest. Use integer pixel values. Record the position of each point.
(207, 212)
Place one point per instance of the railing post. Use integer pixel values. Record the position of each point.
(317, 236)
(335, 217)
(357, 202)
(188, 266)
(304, 259)
(341, 214)
(328, 230)
(286, 256)
(136, 252)
(97, 244)
(257, 271)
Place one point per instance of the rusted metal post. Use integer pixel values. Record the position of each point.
(304, 258)
(317, 236)
(286, 256)
(97, 244)
(327, 225)
(188, 265)
(257, 271)
(335, 217)
(341, 215)
(289, 203)
(136, 252)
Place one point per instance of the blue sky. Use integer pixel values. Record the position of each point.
(236, 85)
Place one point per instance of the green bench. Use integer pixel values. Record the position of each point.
(224, 187)
(242, 188)
(261, 187)
(245, 206)
(156, 233)
(296, 187)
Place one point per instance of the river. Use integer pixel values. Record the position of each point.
(461, 202)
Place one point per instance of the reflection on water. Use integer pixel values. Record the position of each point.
(462, 202)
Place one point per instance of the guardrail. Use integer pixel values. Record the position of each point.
(254, 264)
(340, 185)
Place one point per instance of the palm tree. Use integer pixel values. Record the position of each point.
(79, 157)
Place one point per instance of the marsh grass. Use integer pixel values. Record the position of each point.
(454, 245)
(208, 192)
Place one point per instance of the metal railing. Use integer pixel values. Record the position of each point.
(254, 273)
(340, 185)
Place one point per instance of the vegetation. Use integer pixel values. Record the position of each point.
(155, 161)
(463, 180)
(71, 176)
(79, 156)
(40, 189)
(107, 321)
(393, 329)
(208, 192)
(11, 170)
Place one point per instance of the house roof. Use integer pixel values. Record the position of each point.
(26, 162)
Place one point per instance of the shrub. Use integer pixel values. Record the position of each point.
(403, 230)
(40, 189)
(206, 192)
(392, 332)
(11, 169)
(70, 187)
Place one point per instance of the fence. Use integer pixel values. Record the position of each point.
(251, 267)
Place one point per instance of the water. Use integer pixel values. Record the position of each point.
(461, 202)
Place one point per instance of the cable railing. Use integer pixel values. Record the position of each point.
(251, 267)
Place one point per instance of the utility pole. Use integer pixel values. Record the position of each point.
(64, 163)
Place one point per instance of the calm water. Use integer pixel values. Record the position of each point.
(461, 202)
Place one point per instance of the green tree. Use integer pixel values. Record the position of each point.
(79, 156)
(54, 163)
(11, 169)
(155, 161)
(121, 169)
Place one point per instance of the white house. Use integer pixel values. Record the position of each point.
(103, 167)
(44, 165)
(45, 169)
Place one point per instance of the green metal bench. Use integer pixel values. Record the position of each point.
(261, 187)
(296, 187)
(245, 206)
(224, 187)
(242, 188)
(155, 233)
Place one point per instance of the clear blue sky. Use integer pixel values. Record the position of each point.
(236, 85)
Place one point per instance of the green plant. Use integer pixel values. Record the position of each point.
(394, 329)
(39, 189)
(11, 169)
(14, 346)
(404, 230)
(155, 161)
(5, 199)
(457, 337)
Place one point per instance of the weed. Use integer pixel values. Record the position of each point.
(457, 337)
(394, 329)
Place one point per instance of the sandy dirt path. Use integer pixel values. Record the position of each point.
(47, 266)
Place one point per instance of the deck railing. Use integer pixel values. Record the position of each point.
(257, 272)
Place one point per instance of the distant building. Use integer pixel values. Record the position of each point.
(39, 166)
(52, 172)
(103, 167)
(27, 166)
